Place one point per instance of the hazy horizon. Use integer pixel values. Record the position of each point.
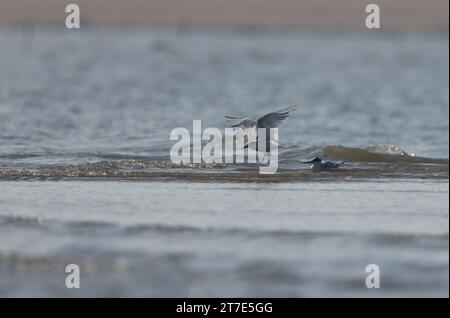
(298, 15)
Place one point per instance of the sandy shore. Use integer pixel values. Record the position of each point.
(299, 14)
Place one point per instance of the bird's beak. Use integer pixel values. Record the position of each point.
(309, 161)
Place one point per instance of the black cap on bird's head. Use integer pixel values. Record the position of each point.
(315, 159)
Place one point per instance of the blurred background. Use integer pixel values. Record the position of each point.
(86, 178)
(303, 14)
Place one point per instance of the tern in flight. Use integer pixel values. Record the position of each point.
(318, 164)
(271, 120)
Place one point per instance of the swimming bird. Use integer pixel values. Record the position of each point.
(318, 164)
(270, 120)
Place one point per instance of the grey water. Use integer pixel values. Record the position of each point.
(86, 177)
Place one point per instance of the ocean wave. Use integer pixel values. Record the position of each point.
(378, 153)
(95, 226)
(377, 161)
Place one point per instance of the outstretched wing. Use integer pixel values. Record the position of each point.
(250, 126)
(274, 119)
(243, 123)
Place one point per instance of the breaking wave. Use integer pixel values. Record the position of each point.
(379, 161)
(378, 153)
